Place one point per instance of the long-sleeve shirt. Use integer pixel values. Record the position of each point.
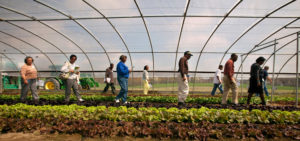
(183, 66)
(256, 72)
(28, 72)
(109, 74)
(67, 67)
(122, 70)
(145, 75)
(229, 68)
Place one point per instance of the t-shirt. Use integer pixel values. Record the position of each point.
(67, 67)
(256, 72)
(29, 72)
(218, 73)
(229, 68)
(266, 74)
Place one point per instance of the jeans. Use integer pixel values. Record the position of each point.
(25, 88)
(123, 82)
(219, 86)
(112, 85)
(71, 83)
(265, 89)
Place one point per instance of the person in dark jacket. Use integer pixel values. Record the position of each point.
(123, 75)
(109, 79)
(182, 78)
(256, 79)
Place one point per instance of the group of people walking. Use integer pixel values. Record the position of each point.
(257, 79)
(257, 82)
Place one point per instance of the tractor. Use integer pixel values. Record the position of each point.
(11, 82)
(57, 84)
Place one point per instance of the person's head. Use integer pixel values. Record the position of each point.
(266, 68)
(28, 60)
(221, 67)
(233, 57)
(188, 54)
(111, 65)
(146, 67)
(123, 58)
(260, 60)
(73, 58)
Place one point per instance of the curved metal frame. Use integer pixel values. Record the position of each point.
(215, 29)
(120, 36)
(260, 43)
(39, 37)
(83, 27)
(252, 26)
(285, 64)
(180, 34)
(10, 61)
(155, 16)
(179, 38)
(18, 50)
(31, 46)
(278, 50)
(150, 41)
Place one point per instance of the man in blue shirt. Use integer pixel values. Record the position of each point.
(123, 75)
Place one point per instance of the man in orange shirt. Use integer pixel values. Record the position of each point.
(229, 81)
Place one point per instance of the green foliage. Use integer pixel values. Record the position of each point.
(161, 99)
(76, 112)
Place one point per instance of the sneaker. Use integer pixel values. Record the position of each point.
(117, 101)
(81, 100)
(126, 102)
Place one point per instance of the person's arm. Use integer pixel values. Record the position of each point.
(182, 65)
(123, 69)
(23, 71)
(107, 73)
(219, 76)
(147, 76)
(65, 68)
(269, 78)
(230, 74)
(256, 76)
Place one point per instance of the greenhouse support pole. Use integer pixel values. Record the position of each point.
(1, 82)
(242, 72)
(297, 69)
(273, 75)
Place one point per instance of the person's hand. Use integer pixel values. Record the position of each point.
(220, 81)
(77, 73)
(25, 81)
(232, 80)
(71, 70)
(271, 81)
(258, 84)
(130, 70)
(184, 78)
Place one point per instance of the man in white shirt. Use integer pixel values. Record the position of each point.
(72, 81)
(217, 81)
